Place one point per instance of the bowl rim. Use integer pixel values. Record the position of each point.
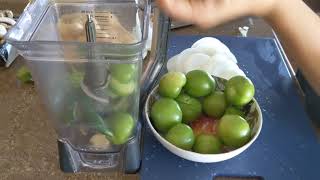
(229, 153)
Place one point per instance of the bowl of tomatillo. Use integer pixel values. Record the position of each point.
(203, 118)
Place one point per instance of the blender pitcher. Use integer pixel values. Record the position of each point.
(87, 61)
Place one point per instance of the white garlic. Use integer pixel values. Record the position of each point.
(3, 31)
(8, 13)
(7, 21)
(5, 25)
(99, 141)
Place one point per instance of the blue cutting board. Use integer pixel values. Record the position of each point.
(287, 148)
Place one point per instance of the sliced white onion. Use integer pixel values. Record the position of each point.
(219, 66)
(220, 57)
(187, 52)
(229, 73)
(206, 40)
(210, 46)
(208, 54)
(171, 64)
(232, 57)
(197, 61)
(179, 66)
(220, 63)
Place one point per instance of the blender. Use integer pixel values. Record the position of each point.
(91, 67)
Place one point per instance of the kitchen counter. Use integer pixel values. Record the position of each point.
(28, 142)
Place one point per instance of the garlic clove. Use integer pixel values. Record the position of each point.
(7, 21)
(8, 13)
(3, 31)
(99, 141)
(5, 25)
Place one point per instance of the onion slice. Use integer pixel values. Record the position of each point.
(171, 64)
(207, 54)
(197, 61)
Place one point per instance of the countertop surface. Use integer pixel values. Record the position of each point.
(28, 142)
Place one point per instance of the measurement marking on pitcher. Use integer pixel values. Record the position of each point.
(103, 29)
(103, 20)
(102, 37)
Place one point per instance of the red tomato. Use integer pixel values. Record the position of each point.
(204, 125)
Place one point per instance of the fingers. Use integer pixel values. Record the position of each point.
(209, 13)
(205, 13)
(177, 9)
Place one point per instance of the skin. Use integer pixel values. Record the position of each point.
(294, 22)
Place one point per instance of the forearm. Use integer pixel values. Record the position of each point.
(299, 30)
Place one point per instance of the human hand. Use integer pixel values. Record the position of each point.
(208, 13)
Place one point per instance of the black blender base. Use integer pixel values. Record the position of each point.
(65, 158)
(132, 156)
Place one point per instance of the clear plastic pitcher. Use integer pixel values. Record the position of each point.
(90, 88)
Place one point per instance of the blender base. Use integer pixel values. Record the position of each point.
(129, 159)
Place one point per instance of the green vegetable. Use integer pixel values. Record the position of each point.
(234, 111)
(94, 120)
(199, 83)
(24, 75)
(215, 104)
(181, 135)
(121, 104)
(207, 144)
(239, 91)
(165, 113)
(76, 78)
(233, 130)
(122, 125)
(171, 84)
(191, 107)
(67, 114)
(124, 73)
(122, 89)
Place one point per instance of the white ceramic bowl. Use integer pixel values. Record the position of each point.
(204, 158)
